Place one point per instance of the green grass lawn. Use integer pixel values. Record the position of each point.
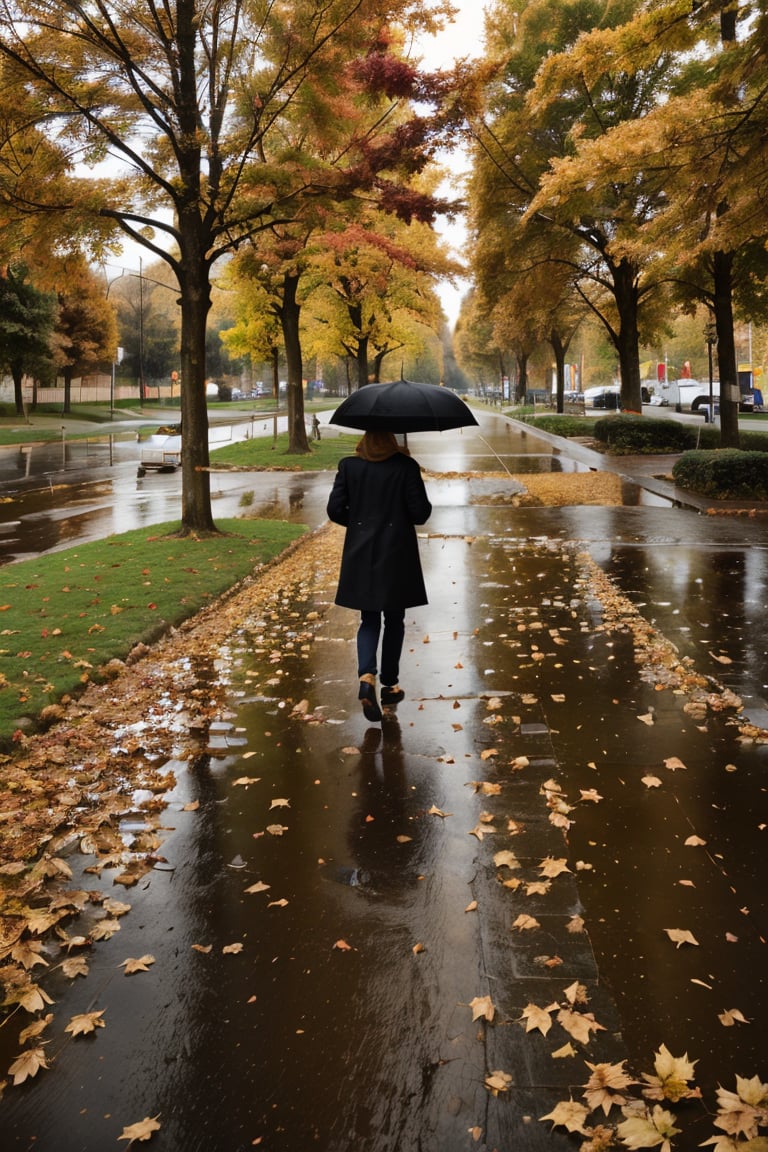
(266, 452)
(64, 614)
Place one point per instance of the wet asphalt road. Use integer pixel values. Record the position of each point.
(327, 1030)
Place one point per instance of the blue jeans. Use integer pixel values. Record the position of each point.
(391, 646)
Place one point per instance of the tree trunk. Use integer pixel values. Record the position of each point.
(17, 372)
(290, 310)
(730, 393)
(522, 375)
(627, 339)
(559, 348)
(196, 515)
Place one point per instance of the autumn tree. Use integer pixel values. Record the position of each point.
(191, 98)
(85, 332)
(27, 317)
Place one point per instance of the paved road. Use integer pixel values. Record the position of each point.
(328, 1030)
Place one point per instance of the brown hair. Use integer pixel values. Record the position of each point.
(378, 445)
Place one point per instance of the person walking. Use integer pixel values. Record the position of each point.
(379, 496)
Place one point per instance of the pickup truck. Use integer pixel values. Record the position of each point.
(693, 395)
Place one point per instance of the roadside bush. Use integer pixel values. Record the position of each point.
(726, 474)
(644, 435)
(558, 424)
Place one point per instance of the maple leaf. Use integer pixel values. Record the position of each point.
(606, 1085)
(498, 1082)
(538, 1019)
(552, 868)
(742, 1112)
(485, 788)
(538, 887)
(31, 997)
(578, 1024)
(132, 965)
(680, 936)
(27, 953)
(27, 1065)
(591, 794)
(648, 1130)
(116, 907)
(85, 1023)
(141, 1131)
(75, 966)
(481, 830)
(568, 1114)
(576, 993)
(671, 1081)
(482, 1007)
(506, 859)
(34, 1030)
(104, 929)
(525, 923)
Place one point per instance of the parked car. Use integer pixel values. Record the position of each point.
(604, 396)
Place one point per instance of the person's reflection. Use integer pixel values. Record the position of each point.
(381, 816)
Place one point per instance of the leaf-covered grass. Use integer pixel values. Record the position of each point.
(266, 452)
(561, 424)
(65, 614)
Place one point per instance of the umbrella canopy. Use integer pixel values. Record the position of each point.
(403, 406)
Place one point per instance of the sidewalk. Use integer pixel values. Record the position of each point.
(354, 874)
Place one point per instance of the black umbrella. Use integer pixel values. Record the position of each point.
(403, 406)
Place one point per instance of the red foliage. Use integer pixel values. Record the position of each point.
(381, 73)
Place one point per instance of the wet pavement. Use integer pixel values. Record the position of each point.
(358, 869)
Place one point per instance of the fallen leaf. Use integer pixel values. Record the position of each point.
(575, 924)
(506, 859)
(140, 965)
(732, 1016)
(141, 1131)
(232, 949)
(192, 806)
(487, 753)
(647, 718)
(568, 1114)
(75, 966)
(681, 936)
(526, 923)
(606, 1086)
(485, 787)
(434, 811)
(538, 887)
(204, 948)
(404, 839)
(576, 993)
(351, 751)
(591, 794)
(649, 1131)
(498, 1082)
(695, 842)
(538, 1019)
(651, 781)
(471, 907)
(34, 1030)
(673, 763)
(552, 868)
(259, 886)
(276, 829)
(246, 780)
(85, 1023)
(481, 830)
(27, 1065)
(280, 804)
(578, 1024)
(564, 1052)
(482, 1007)
(278, 903)
(418, 949)
(342, 946)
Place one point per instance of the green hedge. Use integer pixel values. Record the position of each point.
(646, 435)
(727, 474)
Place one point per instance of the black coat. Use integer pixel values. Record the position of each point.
(379, 503)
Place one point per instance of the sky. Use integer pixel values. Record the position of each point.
(461, 38)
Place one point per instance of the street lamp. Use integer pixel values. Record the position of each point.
(710, 335)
